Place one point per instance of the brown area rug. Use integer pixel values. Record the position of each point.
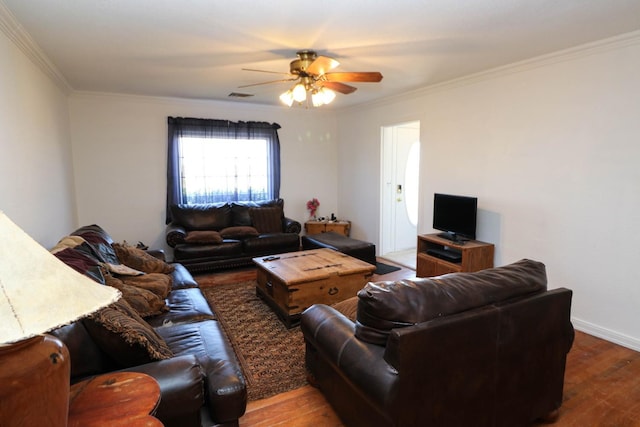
(271, 356)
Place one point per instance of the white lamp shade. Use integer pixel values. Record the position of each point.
(38, 292)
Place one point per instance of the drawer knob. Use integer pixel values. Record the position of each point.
(333, 291)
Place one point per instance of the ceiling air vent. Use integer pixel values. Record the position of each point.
(239, 95)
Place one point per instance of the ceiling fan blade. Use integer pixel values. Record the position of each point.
(265, 71)
(339, 87)
(321, 65)
(269, 82)
(370, 77)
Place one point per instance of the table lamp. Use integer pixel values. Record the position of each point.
(38, 293)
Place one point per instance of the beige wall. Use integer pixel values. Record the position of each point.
(36, 174)
(120, 145)
(551, 149)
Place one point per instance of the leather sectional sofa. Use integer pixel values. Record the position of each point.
(464, 349)
(226, 235)
(181, 345)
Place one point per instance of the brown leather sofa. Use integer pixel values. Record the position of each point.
(201, 384)
(464, 349)
(227, 235)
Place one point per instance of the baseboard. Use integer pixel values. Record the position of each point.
(606, 334)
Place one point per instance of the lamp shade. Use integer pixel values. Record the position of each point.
(38, 292)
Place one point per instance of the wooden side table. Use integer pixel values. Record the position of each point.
(316, 227)
(115, 399)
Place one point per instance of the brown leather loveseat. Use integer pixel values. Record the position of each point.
(225, 235)
(464, 349)
(180, 344)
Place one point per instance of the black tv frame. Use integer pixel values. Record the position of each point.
(453, 215)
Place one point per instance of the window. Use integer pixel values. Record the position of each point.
(221, 170)
(213, 161)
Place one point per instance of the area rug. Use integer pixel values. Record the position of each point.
(382, 268)
(271, 356)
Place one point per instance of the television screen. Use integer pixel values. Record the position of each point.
(455, 215)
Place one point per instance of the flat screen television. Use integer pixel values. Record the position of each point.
(455, 216)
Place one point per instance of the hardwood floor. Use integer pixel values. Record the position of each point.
(602, 385)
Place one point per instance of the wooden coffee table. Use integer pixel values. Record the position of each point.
(292, 282)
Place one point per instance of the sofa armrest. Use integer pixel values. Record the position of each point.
(175, 234)
(226, 391)
(292, 226)
(332, 335)
(181, 382)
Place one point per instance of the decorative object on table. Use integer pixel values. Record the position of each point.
(38, 293)
(312, 207)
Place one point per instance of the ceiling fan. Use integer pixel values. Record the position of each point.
(312, 73)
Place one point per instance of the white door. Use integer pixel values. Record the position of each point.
(400, 166)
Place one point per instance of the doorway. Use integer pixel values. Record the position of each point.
(399, 192)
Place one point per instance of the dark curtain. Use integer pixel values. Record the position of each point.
(211, 128)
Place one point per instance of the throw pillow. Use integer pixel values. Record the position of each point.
(239, 232)
(122, 334)
(267, 220)
(204, 237)
(158, 283)
(122, 269)
(144, 302)
(140, 260)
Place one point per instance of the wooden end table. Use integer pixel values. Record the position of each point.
(115, 399)
(316, 227)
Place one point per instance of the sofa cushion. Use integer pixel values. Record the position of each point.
(271, 244)
(383, 306)
(203, 236)
(267, 219)
(239, 232)
(143, 301)
(214, 216)
(181, 278)
(227, 249)
(240, 210)
(121, 333)
(140, 260)
(185, 305)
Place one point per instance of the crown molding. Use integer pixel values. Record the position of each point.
(584, 50)
(10, 26)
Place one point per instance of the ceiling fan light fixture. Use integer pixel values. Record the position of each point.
(327, 95)
(322, 96)
(287, 98)
(317, 98)
(299, 93)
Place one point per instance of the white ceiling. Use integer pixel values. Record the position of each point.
(197, 48)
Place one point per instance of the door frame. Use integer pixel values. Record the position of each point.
(387, 171)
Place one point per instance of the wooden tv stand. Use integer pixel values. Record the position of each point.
(474, 256)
